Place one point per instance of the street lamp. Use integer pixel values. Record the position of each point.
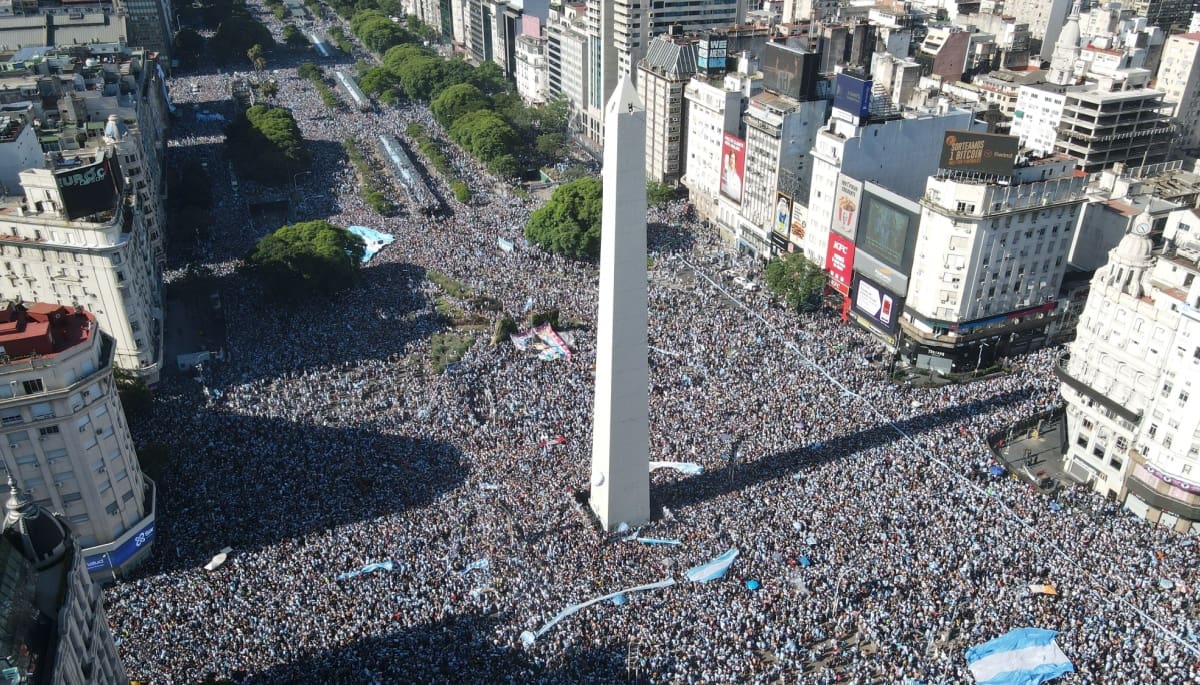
(979, 359)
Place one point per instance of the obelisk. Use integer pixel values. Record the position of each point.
(621, 431)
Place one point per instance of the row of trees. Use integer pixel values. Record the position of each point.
(265, 144)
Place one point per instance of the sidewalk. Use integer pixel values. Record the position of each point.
(1035, 453)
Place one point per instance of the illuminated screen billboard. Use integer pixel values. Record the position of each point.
(790, 71)
(733, 167)
(783, 214)
(983, 153)
(887, 232)
(876, 304)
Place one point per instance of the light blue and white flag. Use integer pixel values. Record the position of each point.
(1025, 656)
(477, 565)
(368, 569)
(712, 570)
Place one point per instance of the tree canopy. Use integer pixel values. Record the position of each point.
(294, 37)
(456, 101)
(266, 145)
(659, 194)
(307, 258)
(569, 222)
(797, 281)
(237, 33)
(484, 134)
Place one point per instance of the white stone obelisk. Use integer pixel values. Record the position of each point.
(621, 432)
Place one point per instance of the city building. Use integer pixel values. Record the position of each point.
(619, 33)
(533, 69)
(149, 24)
(989, 258)
(714, 108)
(568, 73)
(55, 628)
(1165, 14)
(84, 226)
(1045, 20)
(1129, 380)
(861, 141)
(65, 436)
(662, 76)
(1179, 79)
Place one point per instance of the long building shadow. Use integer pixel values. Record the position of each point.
(715, 483)
(247, 482)
(458, 649)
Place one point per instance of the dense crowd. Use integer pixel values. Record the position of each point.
(881, 547)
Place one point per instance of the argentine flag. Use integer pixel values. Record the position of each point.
(712, 570)
(1025, 656)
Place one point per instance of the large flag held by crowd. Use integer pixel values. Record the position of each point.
(1025, 656)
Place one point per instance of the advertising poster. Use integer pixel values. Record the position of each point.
(983, 153)
(733, 167)
(879, 306)
(799, 222)
(89, 189)
(852, 94)
(839, 262)
(783, 214)
(845, 206)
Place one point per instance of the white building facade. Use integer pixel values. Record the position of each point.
(65, 438)
(1131, 377)
(714, 108)
(533, 70)
(1179, 79)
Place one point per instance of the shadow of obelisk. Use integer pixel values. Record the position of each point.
(621, 432)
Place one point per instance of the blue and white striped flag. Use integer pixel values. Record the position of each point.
(712, 570)
(1025, 656)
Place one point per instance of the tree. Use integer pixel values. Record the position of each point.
(506, 167)
(238, 33)
(255, 55)
(135, 396)
(461, 192)
(421, 76)
(659, 194)
(550, 146)
(294, 37)
(456, 101)
(398, 55)
(569, 223)
(269, 89)
(266, 144)
(484, 134)
(489, 77)
(307, 258)
(796, 280)
(189, 46)
(310, 71)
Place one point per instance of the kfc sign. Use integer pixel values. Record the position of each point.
(839, 262)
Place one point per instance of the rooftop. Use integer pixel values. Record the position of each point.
(42, 330)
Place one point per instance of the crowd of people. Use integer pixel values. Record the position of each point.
(879, 546)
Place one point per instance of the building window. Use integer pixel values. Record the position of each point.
(1098, 451)
(1122, 443)
(1183, 397)
(48, 430)
(1166, 390)
(1082, 441)
(1153, 430)
(33, 385)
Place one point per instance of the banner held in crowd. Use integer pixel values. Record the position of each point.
(1025, 656)
(529, 637)
(714, 569)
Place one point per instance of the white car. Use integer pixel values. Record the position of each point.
(745, 283)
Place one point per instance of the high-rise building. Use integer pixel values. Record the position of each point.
(84, 227)
(862, 140)
(64, 433)
(990, 256)
(1167, 15)
(714, 108)
(1179, 79)
(1045, 20)
(567, 61)
(150, 24)
(662, 76)
(1130, 378)
(55, 626)
(533, 73)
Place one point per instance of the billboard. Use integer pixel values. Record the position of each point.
(712, 52)
(783, 214)
(983, 153)
(90, 188)
(733, 167)
(845, 206)
(876, 304)
(852, 94)
(124, 551)
(839, 262)
(790, 71)
(799, 222)
(887, 232)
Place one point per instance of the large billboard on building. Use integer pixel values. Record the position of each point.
(133, 543)
(983, 153)
(876, 304)
(839, 262)
(89, 189)
(887, 231)
(846, 205)
(733, 167)
(852, 94)
(782, 224)
(712, 52)
(790, 71)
